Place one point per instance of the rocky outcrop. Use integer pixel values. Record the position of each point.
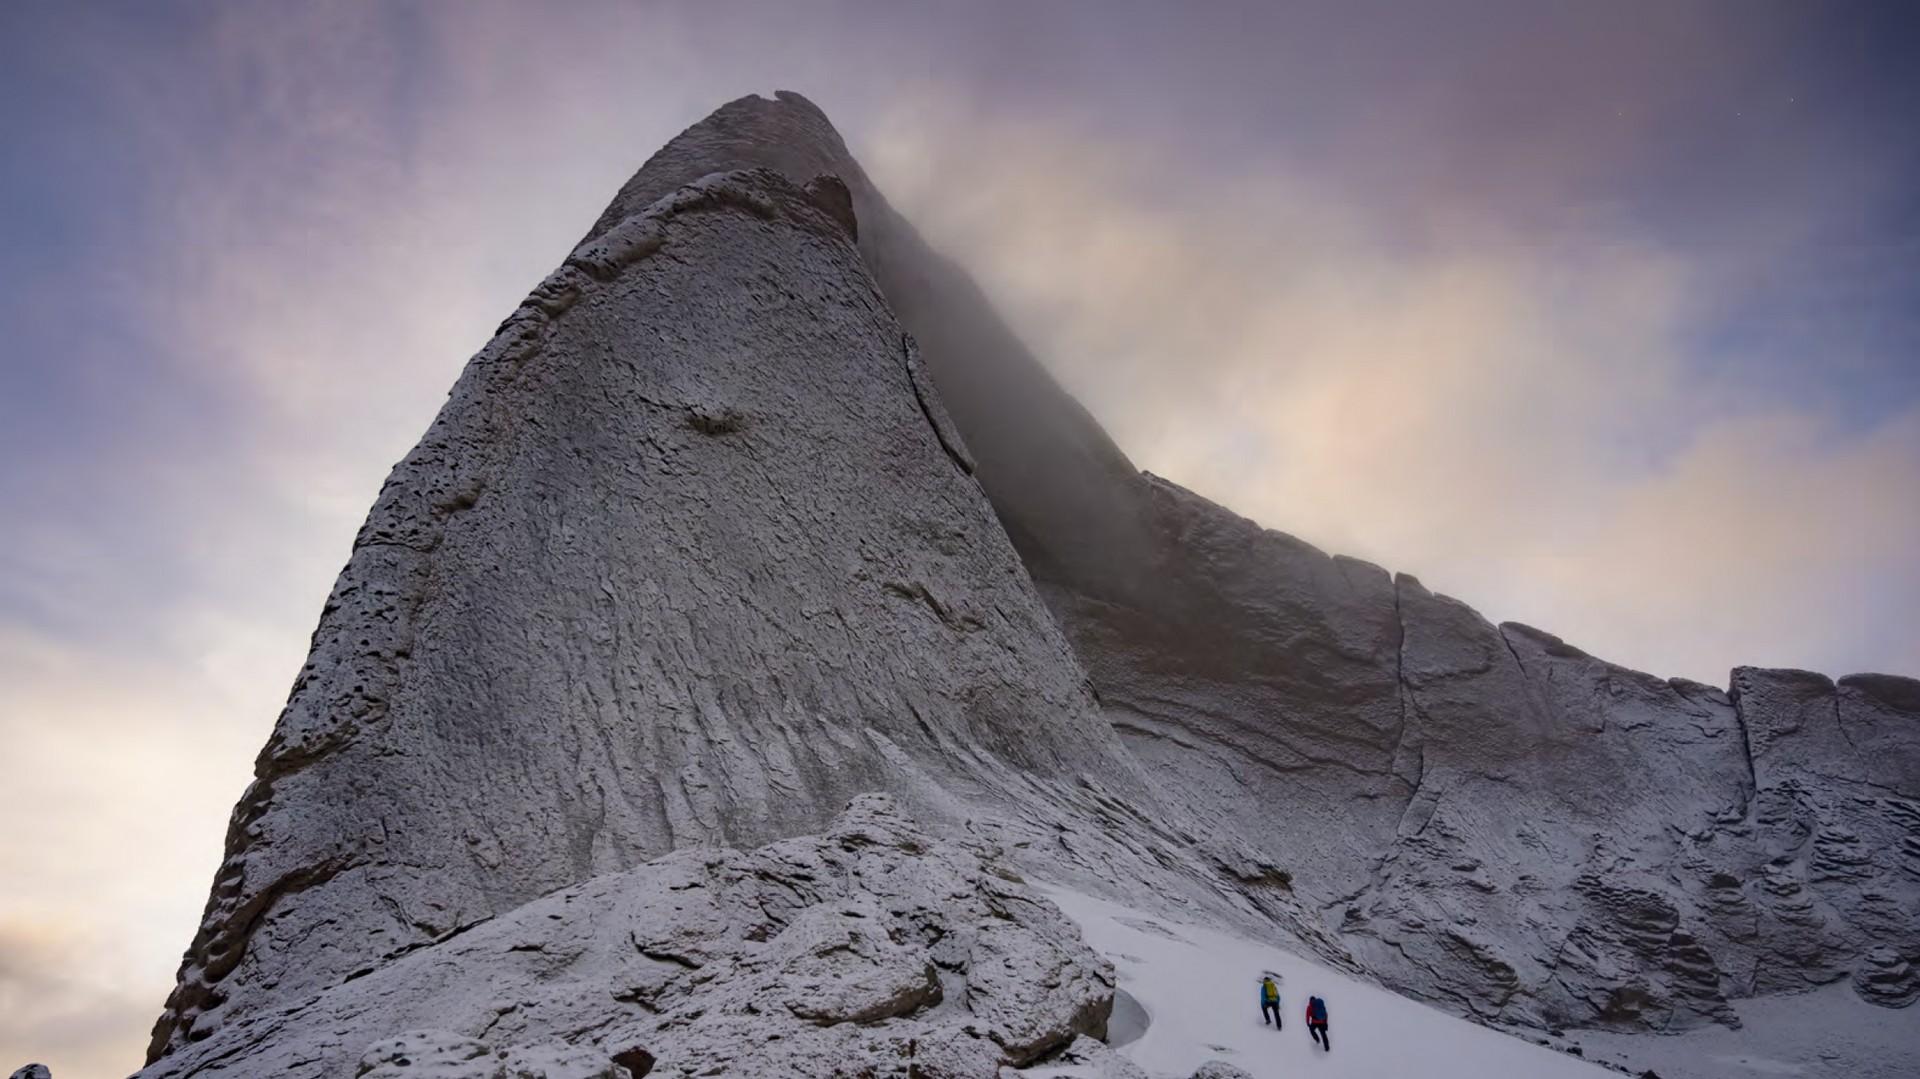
(1219, 1069)
(33, 1071)
(873, 949)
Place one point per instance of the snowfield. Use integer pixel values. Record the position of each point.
(1199, 990)
(1828, 1032)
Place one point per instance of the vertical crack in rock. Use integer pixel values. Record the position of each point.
(1746, 741)
(932, 409)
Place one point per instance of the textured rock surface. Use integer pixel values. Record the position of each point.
(1500, 822)
(693, 554)
(1495, 819)
(870, 950)
(1219, 1069)
(1093, 1057)
(1050, 470)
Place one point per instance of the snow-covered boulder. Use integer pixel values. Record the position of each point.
(870, 949)
(1218, 1069)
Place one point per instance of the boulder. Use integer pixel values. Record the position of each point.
(870, 949)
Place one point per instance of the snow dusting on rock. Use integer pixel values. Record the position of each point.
(754, 509)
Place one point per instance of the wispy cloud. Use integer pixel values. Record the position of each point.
(53, 998)
(1526, 421)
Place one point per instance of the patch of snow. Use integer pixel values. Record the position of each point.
(1199, 991)
(1828, 1032)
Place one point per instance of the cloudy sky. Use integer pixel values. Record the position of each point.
(1603, 317)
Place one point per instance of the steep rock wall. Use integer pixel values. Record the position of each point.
(691, 556)
(1495, 819)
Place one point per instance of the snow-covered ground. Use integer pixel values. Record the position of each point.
(1199, 989)
(1829, 1032)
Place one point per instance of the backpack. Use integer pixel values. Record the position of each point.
(1316, 1010)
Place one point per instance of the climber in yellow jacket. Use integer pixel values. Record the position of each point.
(1270, 1001)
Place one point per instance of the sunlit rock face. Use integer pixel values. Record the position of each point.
(755, 506)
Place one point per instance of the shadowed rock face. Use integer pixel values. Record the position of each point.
(755, 505)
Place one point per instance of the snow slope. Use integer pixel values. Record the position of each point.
(1828, 1032)
(1199, 989)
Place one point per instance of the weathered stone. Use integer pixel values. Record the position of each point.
(873, 949)
(1885, 978)
(1091, 1057)
(1218, 1069)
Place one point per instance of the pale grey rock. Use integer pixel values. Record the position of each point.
(682, 561)
(429, 1054)
(1048, 467)
(1496, 819)
(873, 949)
(692, 555)
(1092, 1057)
(1218, 1069)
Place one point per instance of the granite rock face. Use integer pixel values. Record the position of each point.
(872, 949)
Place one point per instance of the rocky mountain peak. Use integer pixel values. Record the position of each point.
(753, 511)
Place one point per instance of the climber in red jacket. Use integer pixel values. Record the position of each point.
(1317, 1022)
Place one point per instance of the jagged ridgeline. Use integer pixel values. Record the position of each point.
(755, 507)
